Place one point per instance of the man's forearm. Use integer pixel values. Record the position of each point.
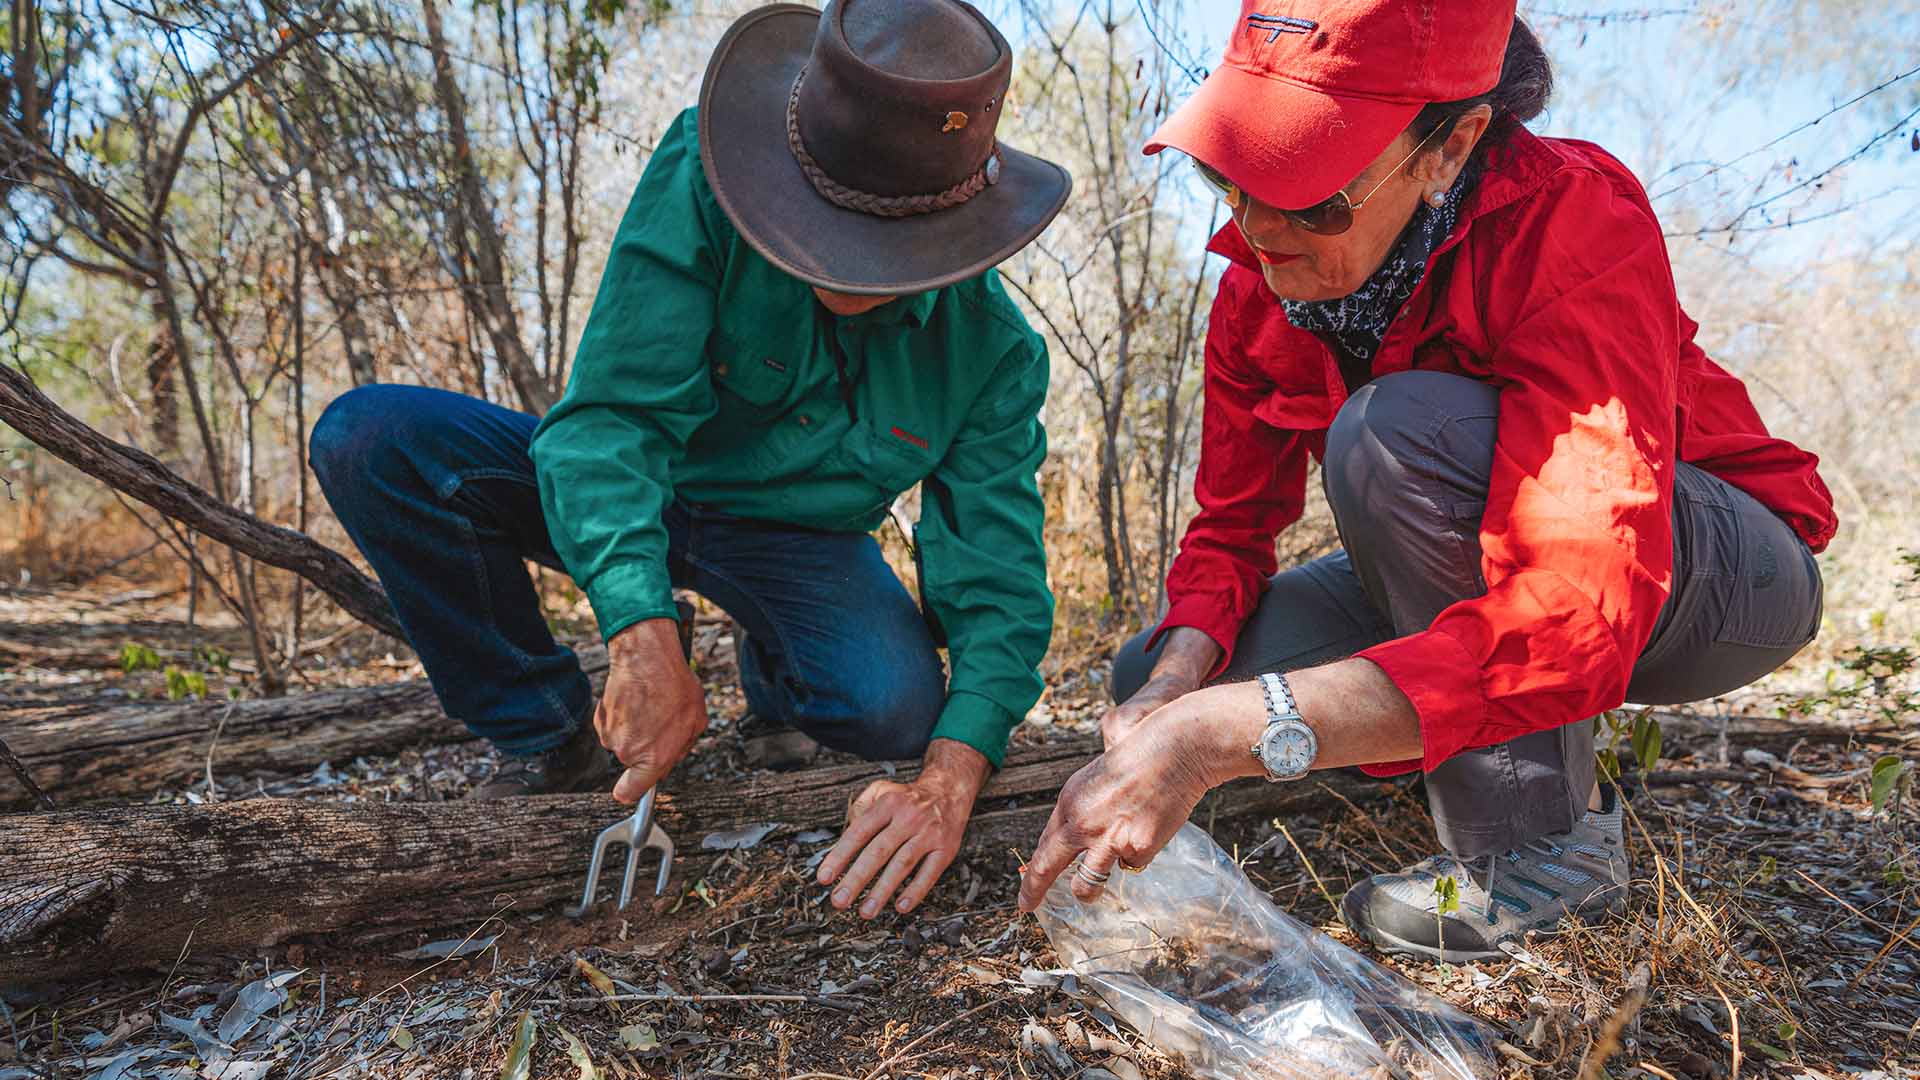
(955, 767)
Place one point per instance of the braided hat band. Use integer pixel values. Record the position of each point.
(888, 206)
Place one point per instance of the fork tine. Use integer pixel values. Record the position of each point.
(600, 843)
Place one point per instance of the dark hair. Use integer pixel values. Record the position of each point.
(1526, 81)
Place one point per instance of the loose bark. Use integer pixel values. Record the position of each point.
(91, 890)
(144, 477)
(83, 753)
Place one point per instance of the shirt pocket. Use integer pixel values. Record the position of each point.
(889, 463)
(757, 378)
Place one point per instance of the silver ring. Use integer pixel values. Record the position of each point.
(1090, 877)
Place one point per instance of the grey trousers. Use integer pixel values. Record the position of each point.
(1406, 474)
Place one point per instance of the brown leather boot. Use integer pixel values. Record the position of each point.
(579, 764)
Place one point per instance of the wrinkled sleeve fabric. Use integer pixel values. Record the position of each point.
(983, 565)
(639, 388)
(1576, 540)
(1250, 484)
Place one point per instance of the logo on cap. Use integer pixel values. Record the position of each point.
(1275, 25)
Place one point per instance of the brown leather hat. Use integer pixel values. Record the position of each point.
(854, 147)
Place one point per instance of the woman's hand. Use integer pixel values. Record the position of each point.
(1187, 656)
(1124, 805)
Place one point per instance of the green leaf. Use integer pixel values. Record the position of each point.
(1773, 1052)
(401, 1037)
(639, 1037)
(519, 1063)
(1448, 890)
(1885, 781)
(1607, 765)
(138, 658)
(577, 1053)
(1646, 741)
(1769, 867)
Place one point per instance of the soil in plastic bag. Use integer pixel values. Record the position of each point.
(1204, 966)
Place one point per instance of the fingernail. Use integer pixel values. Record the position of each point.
(903, 907)
(869, 911)
(840, 899)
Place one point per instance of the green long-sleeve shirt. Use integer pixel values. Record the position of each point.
(705, 374)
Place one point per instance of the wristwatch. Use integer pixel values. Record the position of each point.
(1288, 746)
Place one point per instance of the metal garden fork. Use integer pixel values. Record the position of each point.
(637, 831)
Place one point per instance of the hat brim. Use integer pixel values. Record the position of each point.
(1287, 145)
(753, 174)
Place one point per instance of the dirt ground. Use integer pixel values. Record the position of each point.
(1770, 930)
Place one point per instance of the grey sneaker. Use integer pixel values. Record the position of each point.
(579, 764)
(1533, 887)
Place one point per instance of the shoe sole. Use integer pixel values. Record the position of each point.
(1389, 943)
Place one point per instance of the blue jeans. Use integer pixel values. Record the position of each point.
(438, 491)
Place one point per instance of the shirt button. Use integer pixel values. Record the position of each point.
(804, 420)
(720, 369)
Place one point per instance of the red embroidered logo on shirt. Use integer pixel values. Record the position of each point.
(910, 437)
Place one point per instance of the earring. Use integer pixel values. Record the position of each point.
(1437, 198)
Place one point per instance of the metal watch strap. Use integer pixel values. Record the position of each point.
(1280, 705)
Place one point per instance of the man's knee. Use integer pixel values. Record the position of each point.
(357, 431)
(1406, 431)
(893, 712)
(1132, 666)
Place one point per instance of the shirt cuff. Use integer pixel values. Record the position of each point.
(1443, 682)
(980, 723)
(628, 593)
(1209, 613)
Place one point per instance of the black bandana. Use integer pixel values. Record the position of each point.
(1359, 320)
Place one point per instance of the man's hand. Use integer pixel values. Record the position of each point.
(652, 708)
(1186, 656)
(893, 828)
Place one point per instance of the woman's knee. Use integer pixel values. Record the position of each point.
(1132, 666)
(1411, 429)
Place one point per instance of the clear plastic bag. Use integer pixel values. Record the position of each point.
(1203, 965)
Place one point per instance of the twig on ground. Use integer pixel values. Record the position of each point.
(1308, 863)
(1608, 1041)
(213, 789)
(26, 778)
(901, 1054)
(1733, 1025)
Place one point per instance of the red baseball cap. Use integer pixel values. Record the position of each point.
(1309, 93)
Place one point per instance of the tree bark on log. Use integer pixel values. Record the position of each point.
(84, 891)
(90, 754)
(146, 478)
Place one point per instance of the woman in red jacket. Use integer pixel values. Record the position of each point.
(1550, 500)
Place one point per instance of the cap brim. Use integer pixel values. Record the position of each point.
(743, 146)
(1286, 145)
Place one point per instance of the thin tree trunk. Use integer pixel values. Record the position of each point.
(477, 234)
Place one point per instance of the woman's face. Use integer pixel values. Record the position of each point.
(1301, 265)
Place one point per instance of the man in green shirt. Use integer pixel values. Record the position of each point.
(798, 322)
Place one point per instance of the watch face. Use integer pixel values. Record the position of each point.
(1287, 750)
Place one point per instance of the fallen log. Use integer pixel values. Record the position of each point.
(82, 891)
(87, 753)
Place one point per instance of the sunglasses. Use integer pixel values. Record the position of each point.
(1330, 216)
